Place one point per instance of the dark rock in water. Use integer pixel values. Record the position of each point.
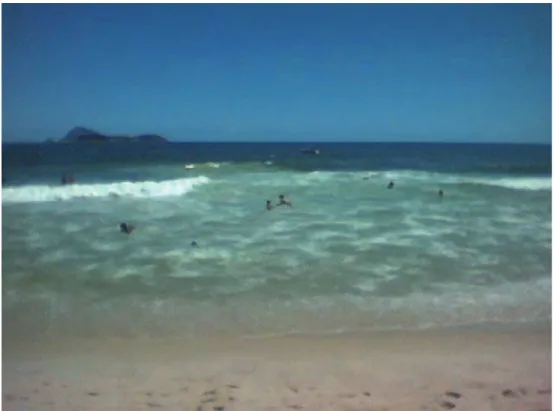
(86, 135)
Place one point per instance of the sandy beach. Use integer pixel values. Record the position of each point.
(431, 370)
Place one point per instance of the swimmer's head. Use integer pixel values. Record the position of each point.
(194, 244)
(126, 228)
(281, 196)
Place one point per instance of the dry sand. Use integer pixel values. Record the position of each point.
(460, 370)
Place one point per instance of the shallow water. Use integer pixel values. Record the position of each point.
(349, 255)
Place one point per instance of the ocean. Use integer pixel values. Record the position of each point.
(349, 255)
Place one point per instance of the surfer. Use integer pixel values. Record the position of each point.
(390, 185)
(282, 201)
(126, 228)
(268, 205)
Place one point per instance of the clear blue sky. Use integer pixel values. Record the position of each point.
(470, 72)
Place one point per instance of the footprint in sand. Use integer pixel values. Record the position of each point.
(520, 399)
(217, 399)
(508, 393)
(446, 401)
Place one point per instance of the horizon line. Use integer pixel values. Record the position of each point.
(42, 142)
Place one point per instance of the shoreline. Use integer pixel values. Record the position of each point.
(401, 370)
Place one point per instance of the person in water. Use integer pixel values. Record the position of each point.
(268, 205)
(390, 185)
(68, 179)
(126, 228)
(282, 201)
(441, 193)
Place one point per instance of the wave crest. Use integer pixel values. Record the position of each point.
(531, 184)
(143, 189)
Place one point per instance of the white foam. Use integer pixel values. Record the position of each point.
(534, 183)
(516, 183)
(210, 164)
(144, 189)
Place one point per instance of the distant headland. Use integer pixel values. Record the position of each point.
(86, 135)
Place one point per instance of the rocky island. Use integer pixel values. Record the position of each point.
(85, 135)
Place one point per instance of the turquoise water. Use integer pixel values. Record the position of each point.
(349, 255)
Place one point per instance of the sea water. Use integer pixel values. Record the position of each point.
(349, 255)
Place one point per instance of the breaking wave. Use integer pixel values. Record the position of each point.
(143, 189)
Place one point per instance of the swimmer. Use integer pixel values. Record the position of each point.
(282, 201)
(441, 193)
(126, 228)
(268, 205)
(68, 179)
(390, 185)
(194, 244)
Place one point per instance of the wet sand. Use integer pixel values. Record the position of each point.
(460, 370)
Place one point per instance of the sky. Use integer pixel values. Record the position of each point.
(279, 72)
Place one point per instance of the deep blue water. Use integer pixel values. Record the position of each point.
(457, 158)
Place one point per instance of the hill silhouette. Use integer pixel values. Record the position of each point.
(87, 135)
